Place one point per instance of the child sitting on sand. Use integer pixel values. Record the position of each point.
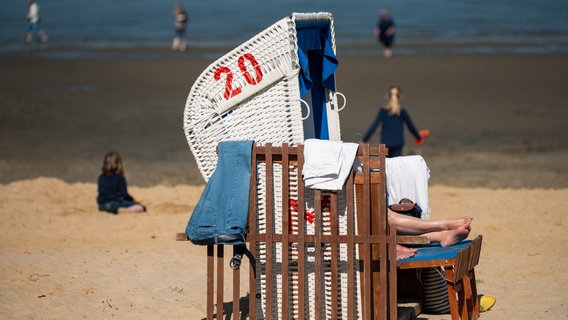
(112, 190)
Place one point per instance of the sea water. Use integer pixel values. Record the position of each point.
(539, 26)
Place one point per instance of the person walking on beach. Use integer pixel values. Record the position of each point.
(113, 195)
(34, 26)
(393, 117)
(384, 32)
(180, 24)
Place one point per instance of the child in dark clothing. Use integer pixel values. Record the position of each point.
(393, 117)
(112, 188)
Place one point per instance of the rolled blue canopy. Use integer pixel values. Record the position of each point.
(318, 64)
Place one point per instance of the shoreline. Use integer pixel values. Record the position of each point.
(371, 48)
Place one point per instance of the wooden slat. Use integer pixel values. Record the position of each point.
(210, 281)
(251, 235)
(318, 254)
(220, 278)
(412, 239)
(366, 232)
(269, 231)
(181, 236)
(236, 291)
(285, 231)
(426, 264)
(334, 220)
(301, 230)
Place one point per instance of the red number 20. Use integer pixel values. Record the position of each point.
(229, 90)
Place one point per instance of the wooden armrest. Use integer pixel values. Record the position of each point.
(181, 236)
(412, 240)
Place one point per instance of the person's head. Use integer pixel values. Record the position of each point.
(179, 7)
(394, 96)
(383, 14)
(112, 163)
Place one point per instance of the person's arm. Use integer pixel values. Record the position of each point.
(410, 124)
(391, 29)
(372, 128)
(124, 189)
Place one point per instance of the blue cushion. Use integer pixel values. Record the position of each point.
(436, 252)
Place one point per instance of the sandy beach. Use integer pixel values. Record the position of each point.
(496, 152)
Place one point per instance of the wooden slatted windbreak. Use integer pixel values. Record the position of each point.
(319, 254)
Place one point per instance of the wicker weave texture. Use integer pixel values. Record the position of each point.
(269, 111)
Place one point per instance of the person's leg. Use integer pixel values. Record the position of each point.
(183, 44)
(394, 151)
(404, 252)
(30, 33)
(449, 237)
(407, 225)
(136, 208)
(130, 206)
(42, 35)
(175, 43)
(110, 207)
(387, 52)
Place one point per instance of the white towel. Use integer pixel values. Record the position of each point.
(407, 177)
(327, 163)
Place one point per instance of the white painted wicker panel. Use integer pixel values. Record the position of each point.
(269, 111)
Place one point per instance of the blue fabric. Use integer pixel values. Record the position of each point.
(436, 252)
(222, 208)
(113, 206)
(318, 96)
(384, 25)
(112, 188)
(316, 36)
(304, 77)
(318, 64)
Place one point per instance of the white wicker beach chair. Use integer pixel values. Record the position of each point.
(253, 93)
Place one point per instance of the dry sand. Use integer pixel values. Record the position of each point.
(497, 152)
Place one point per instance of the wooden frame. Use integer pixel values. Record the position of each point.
(370, 270)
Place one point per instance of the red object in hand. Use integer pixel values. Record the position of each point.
(424, 133)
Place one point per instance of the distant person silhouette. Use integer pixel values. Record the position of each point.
(34, 26)
(180, 25)
(393, 117)
(384, 32)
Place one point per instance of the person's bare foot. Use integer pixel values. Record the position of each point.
(454, 224)
(404, 252)
(137, 208)
(451, 237)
